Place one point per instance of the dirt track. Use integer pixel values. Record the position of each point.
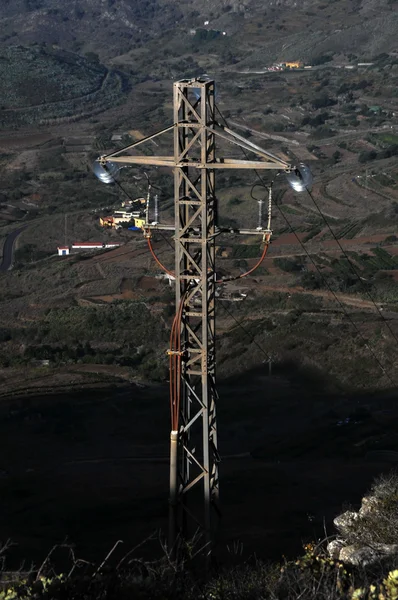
(326, 295)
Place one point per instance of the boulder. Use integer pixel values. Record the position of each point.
(366, 555)
(355, 555)
(334, 548)
(369, 504)
(344, 523)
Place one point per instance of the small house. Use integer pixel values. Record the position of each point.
(87, 245)
(63, 250)
(94, 245)
(107, 222)
(294, 65)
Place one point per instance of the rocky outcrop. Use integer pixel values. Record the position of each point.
(366, 555)
(335, 547)
(349, 525)
(345, 523)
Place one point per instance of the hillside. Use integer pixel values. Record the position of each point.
(42, 84)
(307, 364)
(255, 30)
(62, 61)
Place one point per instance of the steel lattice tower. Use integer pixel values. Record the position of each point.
(194, 458)
(195, 211)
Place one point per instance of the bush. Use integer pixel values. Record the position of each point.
(336, 156)
(235, 201)
(312, 576)
(311, 234)
(323, 132)
(5, 335)
(29, 253)
(206, 35)
(322, 59)
(380, 524)
(290, 265)
(246, 251)
(311, 281)
(323, 101)
(366, 156)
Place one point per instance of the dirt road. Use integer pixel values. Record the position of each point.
(326, 295)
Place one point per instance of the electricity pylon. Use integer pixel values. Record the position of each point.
(194, 457)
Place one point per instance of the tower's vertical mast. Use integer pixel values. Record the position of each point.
(195, 499)
(194, 457)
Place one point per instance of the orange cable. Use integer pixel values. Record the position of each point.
(175, 338)
(171, 364)
(267, 242)
(157, 260)
(178, 358)
(175, 380)
(175, 366)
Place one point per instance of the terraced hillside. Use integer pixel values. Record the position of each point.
(256, 31)
(42, 84)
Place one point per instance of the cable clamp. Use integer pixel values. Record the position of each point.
(147, 234)
(174, 353)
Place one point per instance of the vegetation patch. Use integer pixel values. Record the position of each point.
(313, 576)
(41, 84)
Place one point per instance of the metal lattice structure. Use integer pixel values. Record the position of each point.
(195, 273)
(194, 457)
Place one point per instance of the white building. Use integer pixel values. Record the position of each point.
(63, 250)
(93, 245)
(121, 216)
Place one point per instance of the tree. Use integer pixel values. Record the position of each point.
(93, 57)
(311, 281)
(290, 265)
(79, 13)
(366, 156)
(322, 59)
(323, 101)
(336, 156)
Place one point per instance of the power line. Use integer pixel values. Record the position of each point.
(166, 240)
(326, 283)
(252, 339)
(354, 270)
(268, 358)
(378, 362)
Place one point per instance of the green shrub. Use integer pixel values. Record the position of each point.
(311, 234)
(290, 265)
(235, 201)
(367, 155)
(246, 251)
(311, 281)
